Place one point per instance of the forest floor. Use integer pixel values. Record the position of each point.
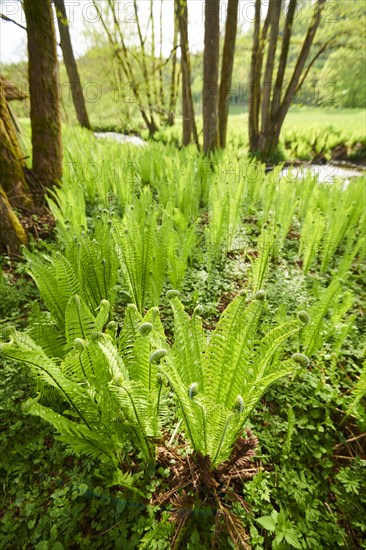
(309, 490)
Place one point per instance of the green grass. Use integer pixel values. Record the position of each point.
(339, 119)
(310, 131)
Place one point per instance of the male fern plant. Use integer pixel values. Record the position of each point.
(219, 381)
(108, 389)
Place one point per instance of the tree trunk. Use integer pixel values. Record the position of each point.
(12, 178)
(270, 144)
(186, 112)
(275, 12)
(300, 64)
(227, 68)
(12, 234)
(277, 91)
(152, 124)
(273, 110)
(173, 80)
(189, 121)
(44, 91)
(211, 75)
(254, 92)
(161, 77)
(13, 187)
(259, 41)
(71, 66)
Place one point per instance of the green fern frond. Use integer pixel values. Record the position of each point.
(235, 329)
(46, 271)
(79, 438)
(218, 382)
(266, 246)
(46, 334)
(22, 348)
(188, 345)
(312, 336)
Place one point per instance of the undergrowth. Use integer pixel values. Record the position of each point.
(171, 221)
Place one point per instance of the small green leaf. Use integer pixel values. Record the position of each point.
(267, 522)
(292, 539)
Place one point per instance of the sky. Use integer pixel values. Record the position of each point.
(82, 17)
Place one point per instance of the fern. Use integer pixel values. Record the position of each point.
(284, 209)
(109, 397)
(311, 235)
(56, 280)
(68, 207)
(111, 391)
(180, 240)
(225, 205)
(332, 299)
(141, 252)
(219, 382)
(266, 246)
(85, 265)
(339, 220)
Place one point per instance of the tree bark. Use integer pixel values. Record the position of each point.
(71, 66)
(300, 64)
(12, 177)
(13, 187)
(186, 112)
(255, 75)
(44, 92)
(277, 91)
(227, 68)
(12, 234)
(189, 121)
(211, 76)
(273, 111)
(173, 78)
(259, 42)
(273, 136)
(275, 12)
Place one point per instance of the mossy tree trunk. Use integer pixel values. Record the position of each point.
(14, 191)
(12, 178)
(44, 92)
(12, 234)
(71, 66)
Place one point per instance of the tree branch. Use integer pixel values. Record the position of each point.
(6, 18)
(316, 56)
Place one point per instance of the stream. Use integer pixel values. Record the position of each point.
(325, 173)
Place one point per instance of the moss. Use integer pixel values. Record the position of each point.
(12, 177)
(12, 234)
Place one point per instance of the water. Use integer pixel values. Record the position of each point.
(325, 173)
(121, 138)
